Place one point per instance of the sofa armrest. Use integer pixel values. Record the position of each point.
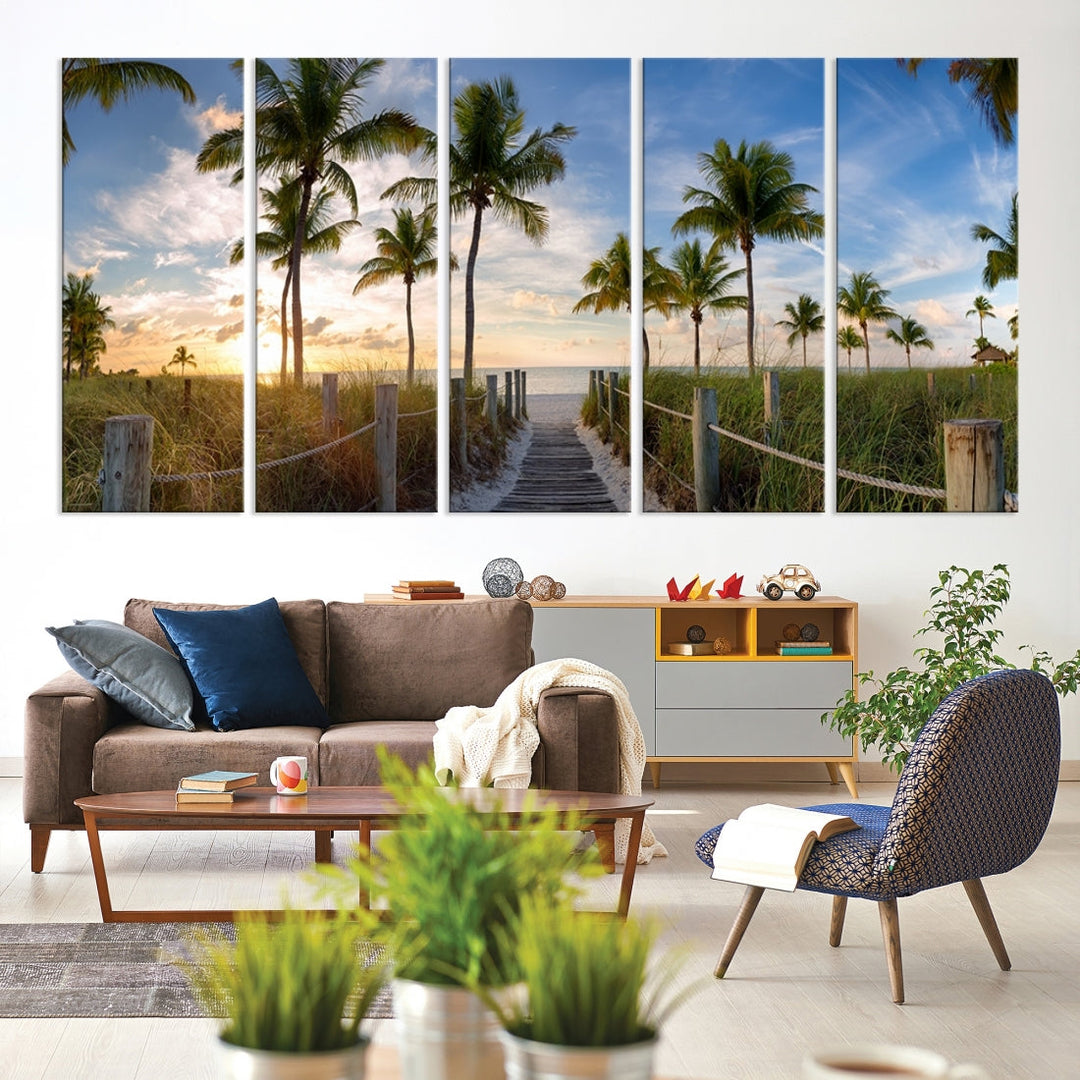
(579, 733)
(64, 719)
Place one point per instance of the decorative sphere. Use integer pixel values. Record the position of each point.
(791, 632)
(501, 577)
(721, 646)
(809, 632)
(695, 633)
(559, 591)
(543, 587)
(523, 591)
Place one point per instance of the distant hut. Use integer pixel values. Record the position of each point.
(991, 354)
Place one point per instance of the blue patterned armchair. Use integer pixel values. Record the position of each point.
(974, 799)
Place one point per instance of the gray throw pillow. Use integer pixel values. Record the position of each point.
(143, 677)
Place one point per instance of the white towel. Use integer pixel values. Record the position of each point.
(495, 746)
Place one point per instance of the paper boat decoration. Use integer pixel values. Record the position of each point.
(675, 593)
(732, 588)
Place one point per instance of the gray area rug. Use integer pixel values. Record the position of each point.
(103, 969)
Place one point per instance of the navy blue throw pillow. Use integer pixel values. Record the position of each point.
(244, 666)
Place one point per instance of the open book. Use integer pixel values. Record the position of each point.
(768, 845)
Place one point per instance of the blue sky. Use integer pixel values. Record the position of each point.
(524, 294)
(688, 105)
(916, 168)
(154, 232)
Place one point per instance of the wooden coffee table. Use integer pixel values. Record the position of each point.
(323, 811)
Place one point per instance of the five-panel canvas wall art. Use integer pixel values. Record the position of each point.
(714, 351)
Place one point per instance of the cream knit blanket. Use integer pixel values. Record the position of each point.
(495, 746)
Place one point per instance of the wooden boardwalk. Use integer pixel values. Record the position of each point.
(557, 475)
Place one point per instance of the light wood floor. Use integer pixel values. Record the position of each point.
(786, 990)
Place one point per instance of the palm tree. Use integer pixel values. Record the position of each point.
(110, 81)
(983, 308)
(408, 251)
(280, 209)
(847, 338)
(657, 286)
(183, 358)
(862, 300)
(912, 335)
(750, 195)
(84, 319)
(493, 166)
(804, 318)
(1003, 259)
(307, 127)
(701, 282)
(993, 89)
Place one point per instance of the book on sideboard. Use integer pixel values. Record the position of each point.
(217, 780)
(768, 845)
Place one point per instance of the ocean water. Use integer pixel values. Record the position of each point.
(544, 379)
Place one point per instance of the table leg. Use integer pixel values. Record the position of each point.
(94, 840)
(322, 845)
(364, 854)
(637, 823)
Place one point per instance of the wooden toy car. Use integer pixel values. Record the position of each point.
(791, 578)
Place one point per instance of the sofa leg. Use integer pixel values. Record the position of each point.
(39, 844)
(605, 846)
(977, 895)
(836, 924)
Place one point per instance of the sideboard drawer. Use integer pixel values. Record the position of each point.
(722, 684)
(780, 733)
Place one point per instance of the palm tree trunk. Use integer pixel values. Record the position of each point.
(412, 337)
(644, 350)
(749, 311)
(297, 255)
(695, 318)
(285, 325)
(470, 300)
(804, 350)
(907, 349)
(866, 345)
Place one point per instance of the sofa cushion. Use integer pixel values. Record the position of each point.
(244, 666)
(143, 677)
(131, 757)
(415, 660)
(348, 753)
(305, 621)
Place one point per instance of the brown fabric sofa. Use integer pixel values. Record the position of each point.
(384, 672)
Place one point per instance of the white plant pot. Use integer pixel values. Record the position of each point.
(528, 1060)
(240, 1063)
(445, 1033)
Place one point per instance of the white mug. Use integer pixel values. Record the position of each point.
(289, 775)
(874, 1061)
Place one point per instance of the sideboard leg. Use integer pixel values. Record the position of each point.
(654, 768)
(847, 771)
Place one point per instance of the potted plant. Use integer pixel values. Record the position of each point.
(453, 878)
(965, 604)
(293, 993)
(592, 1004)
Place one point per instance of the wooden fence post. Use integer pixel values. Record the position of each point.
(517, 393)
(386, 395)
(459, 421)
(129, 448)
(706, 450)
(509, 395)
(972, 383)
(524, 394)
(329, 402)
(771, 389)
(931, 384)
(493, 401)
(613, 382)
(974, 465)
(601, 393)
(592, 382)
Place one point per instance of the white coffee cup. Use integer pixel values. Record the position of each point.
(289, 775)
(874, 1061)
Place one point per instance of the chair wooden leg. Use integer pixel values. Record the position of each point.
(749, 905)
(977, 895)
(836, 925)
(890, 932)
(39, 844)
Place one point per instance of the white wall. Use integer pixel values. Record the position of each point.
(57, 568)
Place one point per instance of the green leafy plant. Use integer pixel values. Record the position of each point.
(453, 877)
(298, 984)
(965, 605)
(587, 979)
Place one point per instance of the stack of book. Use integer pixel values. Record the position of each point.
(804, 648)
(438, 589)
(216, 786)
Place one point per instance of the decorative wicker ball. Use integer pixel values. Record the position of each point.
(543, 587)
(721, 646)
(695, 633)
(791, 632)
(501, 577)
(523, 591)
(559, 591)
(809, 632)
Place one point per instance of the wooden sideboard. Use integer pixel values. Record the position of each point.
(746, 704)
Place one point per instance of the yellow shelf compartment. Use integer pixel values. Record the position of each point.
(718, 619)
(835, 623)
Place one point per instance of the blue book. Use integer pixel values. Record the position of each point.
(218, 780)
